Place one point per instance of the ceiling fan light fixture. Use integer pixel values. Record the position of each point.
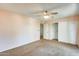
(46, 16)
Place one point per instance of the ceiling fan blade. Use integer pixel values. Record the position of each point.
(38, 14)
(38, 11)
(54, 13)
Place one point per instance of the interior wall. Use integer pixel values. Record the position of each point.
(77, 31)
(17, 30)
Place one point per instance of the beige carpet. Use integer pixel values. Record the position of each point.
(43, 48)
(53, 51)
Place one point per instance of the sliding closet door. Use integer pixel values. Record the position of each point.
(50, 31)
(67, 31)
(46, 31)
(62, 32)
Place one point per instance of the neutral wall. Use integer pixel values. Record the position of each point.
(17, 30)
(77, 30)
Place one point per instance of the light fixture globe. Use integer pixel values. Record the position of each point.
(46, 16)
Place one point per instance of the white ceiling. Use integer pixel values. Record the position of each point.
(30, 8)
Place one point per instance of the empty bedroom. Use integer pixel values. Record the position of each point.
(39, 29)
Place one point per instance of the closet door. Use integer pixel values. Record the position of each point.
(50, 31)
(67, 31)
(63, 32)
(46, 31)
(72, 31)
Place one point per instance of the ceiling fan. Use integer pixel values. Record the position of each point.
(46, 14)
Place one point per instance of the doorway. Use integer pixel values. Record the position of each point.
(41, 31)
(55, 27)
